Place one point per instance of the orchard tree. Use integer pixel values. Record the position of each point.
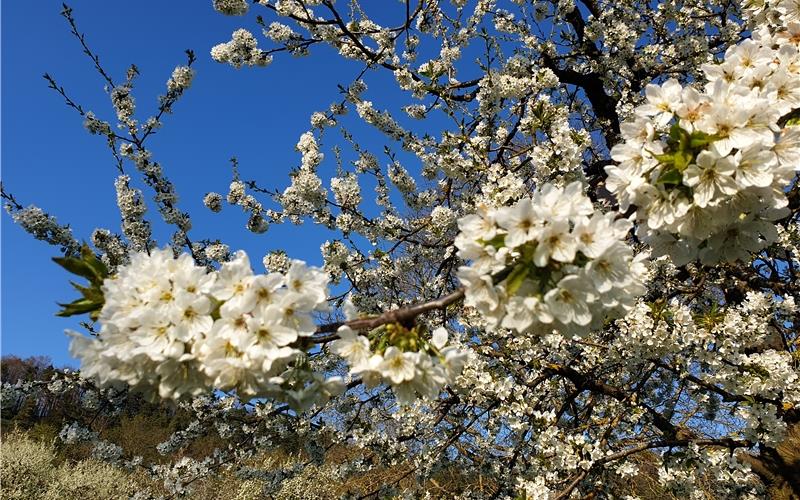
(578, 268)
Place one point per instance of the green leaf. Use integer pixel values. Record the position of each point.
(790, 118)
(664, 158)
(678, 137)
(89, 292)
(80, 306)
(516, 278)
(498, 241)
(683, 159)
(87, 266)
(757, 370)
(675, 132)
(700, 139)
(75, 266)
(90, 267)
(670, 177)
(96, 265)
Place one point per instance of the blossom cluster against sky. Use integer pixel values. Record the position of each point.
(48, 158)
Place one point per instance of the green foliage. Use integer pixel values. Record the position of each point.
(90, 267)
(682, 150)
(660, 310)
(516, 278)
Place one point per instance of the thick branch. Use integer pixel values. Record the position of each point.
(403, 316)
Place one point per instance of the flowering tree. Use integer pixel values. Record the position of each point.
(582, 265)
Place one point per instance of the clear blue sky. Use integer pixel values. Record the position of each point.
(49, 160)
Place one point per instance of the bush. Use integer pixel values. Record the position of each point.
(90, 479)
(30, 471)
(27, 467)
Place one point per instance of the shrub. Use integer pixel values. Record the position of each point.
(30, 470)
(27, 467)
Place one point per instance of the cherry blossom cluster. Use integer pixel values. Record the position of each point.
(706, 169)
(231, 7)
(181, 79)
(412, 364)
(132, 209)
(169, 324)
(44, 226)
(774, 12)
(548, 262)
(241, 50)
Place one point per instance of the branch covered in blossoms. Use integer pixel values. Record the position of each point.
(171, 327)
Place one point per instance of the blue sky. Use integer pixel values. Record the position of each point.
(49, 160)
